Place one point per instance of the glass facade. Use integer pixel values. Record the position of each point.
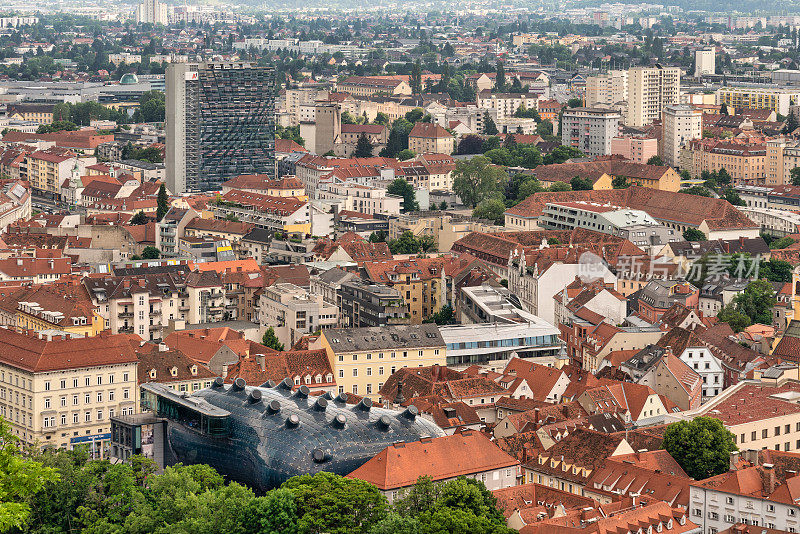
(230, 123)
(263, 436)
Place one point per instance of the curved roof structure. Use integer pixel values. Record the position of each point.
(262, 436)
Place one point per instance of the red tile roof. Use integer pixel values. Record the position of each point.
(38, 355)
(401, 464)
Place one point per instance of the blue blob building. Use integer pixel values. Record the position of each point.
(262, 436)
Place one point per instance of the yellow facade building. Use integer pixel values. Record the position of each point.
(364, 358)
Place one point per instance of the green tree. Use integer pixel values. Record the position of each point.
(528, 187)
(378, 237)
(56, 126)
(735, 318)
(701, 446)
(363, 147)
(470, 144)
(782, 243)
(489, 127)
(500, 78)
(443, 206)
(561, 154)
(574, 102)
(445, 315)
(581, 184)
(407, 243)
(275, 512)
(406, 154)
(500, 156)
(698, 190)
(382, 118)
(620, 182)
(271, 340)
(347, 118)
(138, 218)
(795, 174)
(655, 160)
(21, 477)
(402, 188)
(492, 209)
(791, 123)
(336, 505)
(163, 202)
(560, 186)
(150, 253)
(544, 128)
(693, 234)
(416, 78)
(476, 179)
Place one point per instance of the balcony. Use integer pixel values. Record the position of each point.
(126, 315)
(125, 329)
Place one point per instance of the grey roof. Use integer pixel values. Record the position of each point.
(645, 358)
(258, 235)
(606, 422)
(384, 338)
(335, 276)
(140, 164)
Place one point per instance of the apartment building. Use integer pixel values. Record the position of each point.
(293, 312)
(636, 148)
(704, 62)
(420, 281)
(778, 100)
(65, 307)
(504, 105)
(782, 155)
(59, 391)
(649, 90)
(607, 89)
(757, 490)
(682, 123)
(759, 415)
(371, 85)
(285, 214)
(590, 130)
(142, 304)
(742, 161)
(428, 138)
(364, 358)
(364, 304)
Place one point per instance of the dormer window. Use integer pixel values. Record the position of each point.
(152, 374)
(329, 378)
(194, 370)
(297, 381)
(308, 379)
(174, 371)
(318, 379)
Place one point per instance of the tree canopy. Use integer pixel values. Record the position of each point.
(271, 340)
(476, 179)
(701, 446)
(402, 188)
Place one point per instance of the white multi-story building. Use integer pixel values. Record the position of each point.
(293, 312)
(152, 12)
(704, 62)
(590, 129)
(649, 90)
(682, 123)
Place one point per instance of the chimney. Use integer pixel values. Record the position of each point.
(261, 361)
(634, 497)
(126, 283)
(751, 455)
(224, 370)
(769, 471)
(162, 347)
(734, 461)
(435, 372)
(536, 418)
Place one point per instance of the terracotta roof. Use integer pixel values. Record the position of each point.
(220, 226)
(464, 453)
(663, 205)
(279, 205)
(167, 366)
(540, 379)
(38, 355)
(276, 366)
(429, 130)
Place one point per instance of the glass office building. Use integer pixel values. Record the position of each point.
(220, 123)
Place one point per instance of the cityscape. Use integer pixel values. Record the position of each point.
(417, 268)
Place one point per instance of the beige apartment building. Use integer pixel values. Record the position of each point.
(607, 89)
(364, 358)
(57, 391)
(782, 155)
(427, 138)
(649, 90)
(293, 312)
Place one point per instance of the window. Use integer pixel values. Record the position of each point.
(355, 389)
(99, 396)
(126, 393)
(47, 403)
(63, 419)
(47, 386)
(75, 418)
(87, 398)
(777, 431)
(369, 371)
(64, 386)
(111, 395)
(764, 434)
(355, 372)
(124, 377)
(74, 399)
(87, 417)
(99, 415)
(341, 373)
(369, 389)
(111, 379)
(728, 500)
(99, 380)
(63, 402)
(88, 380)
(74, 382)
